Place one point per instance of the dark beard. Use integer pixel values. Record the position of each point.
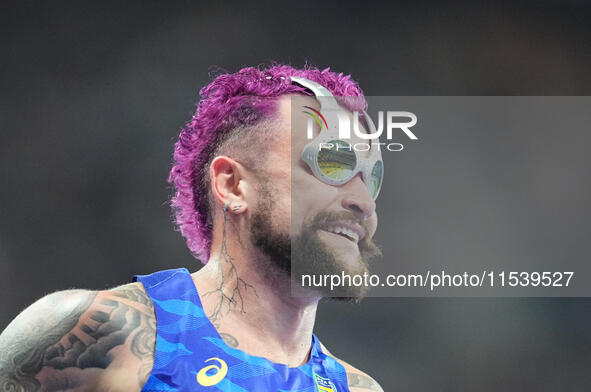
(275, 246)
(306, 251)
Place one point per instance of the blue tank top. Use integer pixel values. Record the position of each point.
(190, 355)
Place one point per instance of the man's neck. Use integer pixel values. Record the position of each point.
(254, 310)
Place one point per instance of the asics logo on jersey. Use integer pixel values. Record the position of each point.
(207, 380)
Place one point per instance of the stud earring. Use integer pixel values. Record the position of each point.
(226, 206)
(236, 208)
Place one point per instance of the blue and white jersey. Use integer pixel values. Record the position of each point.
(190, 355)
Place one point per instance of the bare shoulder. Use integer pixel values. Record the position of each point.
(357, 380)
(80, 340)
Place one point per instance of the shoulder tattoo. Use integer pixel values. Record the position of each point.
(362, 381)
(49, 349)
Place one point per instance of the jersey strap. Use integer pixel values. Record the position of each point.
(190, 354)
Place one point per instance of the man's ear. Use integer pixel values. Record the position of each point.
(228, 184)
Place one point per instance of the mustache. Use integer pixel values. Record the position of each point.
(367, 247)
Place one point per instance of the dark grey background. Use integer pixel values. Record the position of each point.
(93, 96)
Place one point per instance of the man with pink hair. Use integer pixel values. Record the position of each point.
(250, 205)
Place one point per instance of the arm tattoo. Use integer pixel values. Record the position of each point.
(48, 350)
(144, 342)
(21, 358)
(363, 382)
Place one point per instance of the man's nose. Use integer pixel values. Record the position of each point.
(357, 198)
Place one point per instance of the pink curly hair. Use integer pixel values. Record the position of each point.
(228, 102)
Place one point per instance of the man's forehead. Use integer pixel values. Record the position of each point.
(293, 112)
(297, 103)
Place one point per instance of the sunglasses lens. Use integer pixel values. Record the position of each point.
(375, 182)
(337, 160)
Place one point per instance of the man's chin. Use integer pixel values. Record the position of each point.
(323, 259)
(351, 294)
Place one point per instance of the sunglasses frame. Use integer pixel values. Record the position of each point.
(331, 110)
